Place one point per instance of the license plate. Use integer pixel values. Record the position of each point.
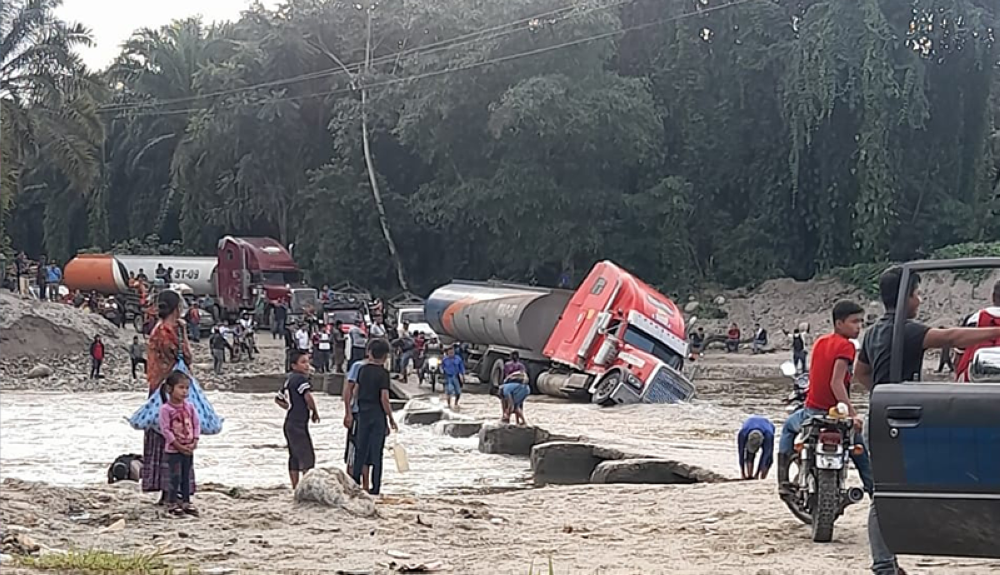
(829, 461)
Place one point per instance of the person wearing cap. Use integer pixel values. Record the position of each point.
(757, 434)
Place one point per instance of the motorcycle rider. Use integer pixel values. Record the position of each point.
(829, 378)
(757, 434)
(873, 368)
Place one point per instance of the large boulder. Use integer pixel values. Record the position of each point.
(333, 488)
(458, 428)
(39, 371)
(506, 439)
(641, 471)
(563, 462)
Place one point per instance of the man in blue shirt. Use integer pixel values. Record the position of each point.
(454, 374)
(757, 434)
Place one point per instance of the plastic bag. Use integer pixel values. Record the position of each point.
(148, 416)
(402, 460)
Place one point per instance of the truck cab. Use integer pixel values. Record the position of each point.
(626, 336)
(936, 450)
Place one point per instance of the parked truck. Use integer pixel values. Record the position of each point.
(614, 340)
(246, 274)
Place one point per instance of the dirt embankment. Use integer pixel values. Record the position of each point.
(783, 304)
(30, 328)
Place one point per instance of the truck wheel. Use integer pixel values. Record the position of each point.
(605, 387)
(827, 505)
(496, 375)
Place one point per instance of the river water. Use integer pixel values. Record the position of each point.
(70, 439)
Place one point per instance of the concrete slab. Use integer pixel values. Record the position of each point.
(264, 383)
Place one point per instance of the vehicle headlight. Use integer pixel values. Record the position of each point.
(433, 362)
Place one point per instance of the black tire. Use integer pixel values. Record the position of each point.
(796, 502)
(827, 505)
(434, 380)
(137, 323)
(496, 375)
(605, 387)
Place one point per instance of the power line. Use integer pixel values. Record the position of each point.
(498, 60)
(433, 47)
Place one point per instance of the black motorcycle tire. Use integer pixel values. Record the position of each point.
(827, 505)
(793, 501)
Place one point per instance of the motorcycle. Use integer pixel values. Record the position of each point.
(822, 449)
(796, 398)
(430, 368)
(242, 344)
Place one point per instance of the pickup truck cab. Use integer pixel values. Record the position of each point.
(936, 450)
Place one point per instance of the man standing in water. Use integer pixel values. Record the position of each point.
(872, 368)
(374, 414)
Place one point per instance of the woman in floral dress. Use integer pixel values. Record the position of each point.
(167, 343)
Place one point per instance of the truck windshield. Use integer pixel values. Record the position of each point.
(412, 316)
(278, 278)
(345, 316)
(641, 340)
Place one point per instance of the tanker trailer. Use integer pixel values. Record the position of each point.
(614, 340)
(102, 273)
(197, 272)
(497, 319)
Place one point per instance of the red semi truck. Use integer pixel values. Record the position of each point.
(614, 340)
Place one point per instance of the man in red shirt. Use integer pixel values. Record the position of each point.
(829, 379)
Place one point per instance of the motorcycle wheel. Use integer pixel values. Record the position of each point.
(434, 380)
(795, 503)
(827, 505)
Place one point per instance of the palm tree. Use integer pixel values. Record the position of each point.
(48, 101)
(156, 83)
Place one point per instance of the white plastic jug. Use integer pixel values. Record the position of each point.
(399, 454)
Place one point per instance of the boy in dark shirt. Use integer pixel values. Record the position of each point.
(374, 415)
(297, 400)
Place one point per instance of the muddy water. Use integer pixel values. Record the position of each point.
(70, 439)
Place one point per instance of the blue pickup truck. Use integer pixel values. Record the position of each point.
(936, 450)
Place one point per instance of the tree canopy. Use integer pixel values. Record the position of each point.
(691, 141)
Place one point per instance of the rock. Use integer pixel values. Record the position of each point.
(20, 544)
(423, 416)
(804, 326)
(640, 471)
(458, 428)
(720, 300)
(563, 462)
(6, 559)
(333, 488)
(505, 439)
(264, 383)
(691, 306)
(40, 370)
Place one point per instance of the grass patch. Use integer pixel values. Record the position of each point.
(103, 563)
(531, 569)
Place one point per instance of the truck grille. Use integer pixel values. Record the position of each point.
(668, 386)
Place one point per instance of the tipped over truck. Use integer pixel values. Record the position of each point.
(614, 340)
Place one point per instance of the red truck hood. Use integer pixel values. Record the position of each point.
(274, 294)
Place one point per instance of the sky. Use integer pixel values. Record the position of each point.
(112, 21)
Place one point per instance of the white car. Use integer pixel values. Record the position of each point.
(414, 317)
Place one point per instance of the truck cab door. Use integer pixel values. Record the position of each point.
(936, 457)
(230, 275)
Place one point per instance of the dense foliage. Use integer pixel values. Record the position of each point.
(690, 140)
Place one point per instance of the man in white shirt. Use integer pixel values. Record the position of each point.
(302, 338)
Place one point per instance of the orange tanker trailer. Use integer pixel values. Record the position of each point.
(102, 273)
